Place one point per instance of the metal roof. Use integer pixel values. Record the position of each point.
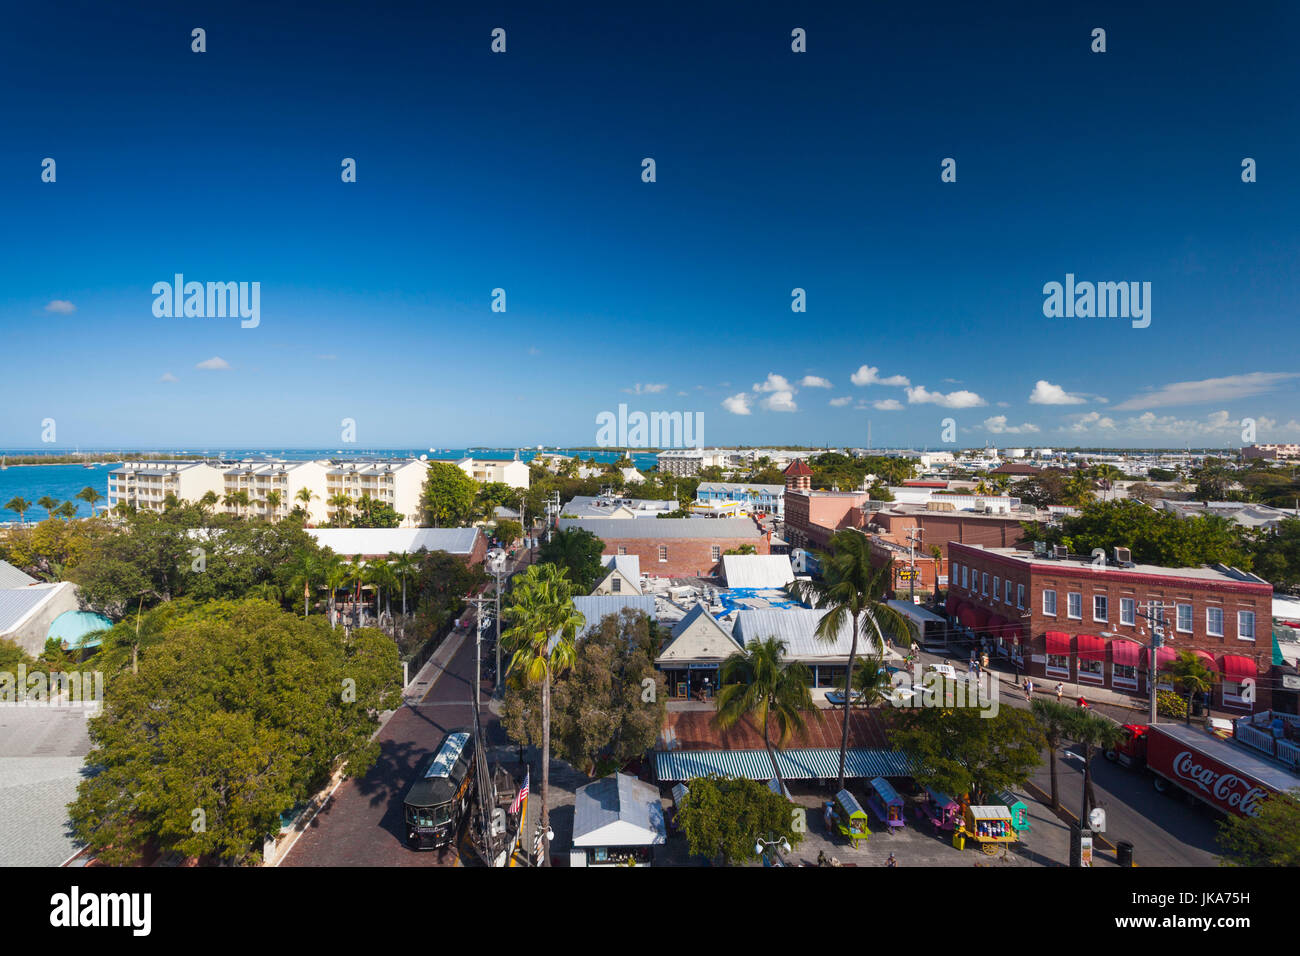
(628, 565)
(614, 528)
(757, 570)
(795, 628)
(805, 764)
(17, 603)
(11, 577)
(729, 486)
(594, 607)
(401, 540)
(618, 810)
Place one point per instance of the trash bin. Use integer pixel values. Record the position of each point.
(1198, 706)
(1124, 853)
(959, 840)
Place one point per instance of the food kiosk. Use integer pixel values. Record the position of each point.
(943, 812)
(885, 803)
(850, 818)
(989, 826)
(1019, 812)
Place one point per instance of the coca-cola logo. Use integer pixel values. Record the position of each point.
(1227, 789)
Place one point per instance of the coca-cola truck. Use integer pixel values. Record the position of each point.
(1219, 773)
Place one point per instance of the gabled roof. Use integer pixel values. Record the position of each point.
(628, 565)
(17, 604)
(11, 577)
(614, 528)
(795, 628)
(796, 469)
(618, 810)
(349, 541)
(698, 637)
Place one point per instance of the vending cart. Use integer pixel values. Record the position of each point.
(885, 803)
(989, 826)
(943, 812)
(1019, 812)
(850, 818)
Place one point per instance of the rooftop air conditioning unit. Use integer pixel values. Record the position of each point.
(1123, 557)
(1061, 552)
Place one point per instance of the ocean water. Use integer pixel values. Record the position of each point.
(34, 482)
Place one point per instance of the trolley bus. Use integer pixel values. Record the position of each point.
(928, 628)
(442, 792)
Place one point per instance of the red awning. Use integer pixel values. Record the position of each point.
(1090, 647)
(981, 618)
(1058, 642)
(1164, 657)
(1207, 659)
(996, 624)
(1125, 653)
(951, 604)
(1236, 667)
(966, 614)
(1013, 630)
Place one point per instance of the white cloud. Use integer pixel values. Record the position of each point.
(737, 404)
(888, 405)
(774, 383)
(841, 402)
(814, 381)
(1207, 390)
(780, 401)
(1092, 420)
(216, 362)
(959, 399)
(168, 377)
(998, 426)
(870, 375)
(639, 389)
(1045, 393)
(61, 306)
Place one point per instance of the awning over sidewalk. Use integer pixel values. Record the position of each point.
(1125, 653)
(1090, 647)
(1237, 667)
(1164, 658)
(952, 604)
(1058, 642)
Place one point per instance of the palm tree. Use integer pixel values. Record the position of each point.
(852, 592)
(305, 496)
(336, 574)
(310, 566)
(90, 496)
(207, 500)
(1091, 731)
(340, 503)
(404, 565)
(1078, 490)
(759, 683)
(49, 504)
(273, 499)
(1192, 677)
(1055, 720)
(380, 575)
(936, 552)
(67, 510)
(239, 499)
(871, 681)
(542, 636)
(20, 506)
(356, 578)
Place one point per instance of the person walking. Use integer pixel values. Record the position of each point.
(1060, 691)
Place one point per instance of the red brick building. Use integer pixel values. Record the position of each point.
(675, 547)
(1073, 620)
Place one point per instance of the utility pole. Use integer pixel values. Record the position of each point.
(1155, 615)
(913, 539)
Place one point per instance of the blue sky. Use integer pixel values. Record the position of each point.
(775, 170)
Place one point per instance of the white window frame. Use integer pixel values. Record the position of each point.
(1052, 592)
(715, 552)
(1020, 596)
(1178, 618)
(965, 578)
(663, 552)
(1069, 601)
(1006, 587)
(984, 584)
(1052, 671)
(1117, 680)
(1105, 616)
(1209, 628)
(1127, 611)
(997, 584)
(1090, 677)
(1251, 638)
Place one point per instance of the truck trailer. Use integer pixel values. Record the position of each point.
(1222, 774)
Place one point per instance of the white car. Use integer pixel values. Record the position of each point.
(946, 670)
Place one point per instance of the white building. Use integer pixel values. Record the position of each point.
(512, 473)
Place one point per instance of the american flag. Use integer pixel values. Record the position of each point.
(522, 795)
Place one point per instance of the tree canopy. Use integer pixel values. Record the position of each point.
(724, 818)
(1270, 839)
(577, 551)
(448, 496)
(963, 750)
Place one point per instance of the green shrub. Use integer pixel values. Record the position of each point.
(1170, 704)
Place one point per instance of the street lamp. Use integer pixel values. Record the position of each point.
(782, 844)
(1157, 641)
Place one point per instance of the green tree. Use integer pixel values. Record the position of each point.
(1191, 677)
(723, 818)
(448, 496)
(1091, 731)
(508, 531)
(1270, 839)
(761, 684)
(1054, 721)
(20, 506)
(578, 552)
(273, 501)
(852, 591)
(543, 627)
(235, 711)
(90, 496)
(66, 511)
(49, 504)
(964, 751)
(405, 566)
(603, 711)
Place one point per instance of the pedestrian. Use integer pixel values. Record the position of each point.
(1060, 691)
(1029, 690)
(891, 861)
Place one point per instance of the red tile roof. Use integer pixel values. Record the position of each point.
(796, 469)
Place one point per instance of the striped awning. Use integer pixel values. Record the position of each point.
(805, 764)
